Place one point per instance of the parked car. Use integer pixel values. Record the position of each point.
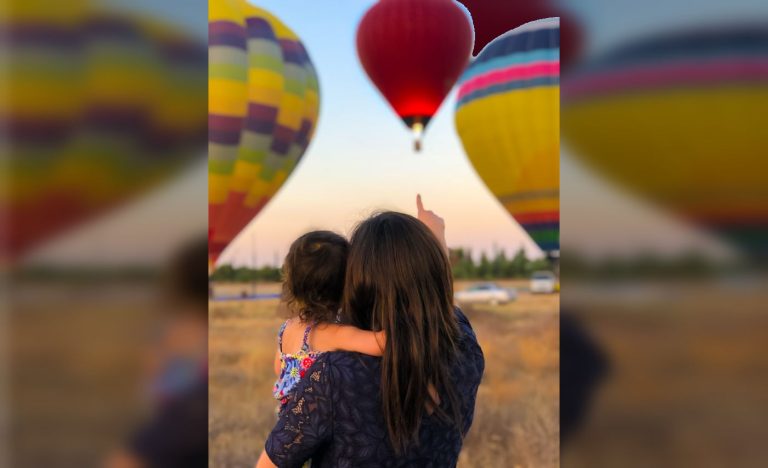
(488, 293)
(544, 282)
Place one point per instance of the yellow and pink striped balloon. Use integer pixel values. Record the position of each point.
(508, 118)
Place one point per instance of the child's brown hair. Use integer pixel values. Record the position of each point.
(313, 276)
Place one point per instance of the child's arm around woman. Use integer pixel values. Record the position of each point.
(328, 337)
(335, 337)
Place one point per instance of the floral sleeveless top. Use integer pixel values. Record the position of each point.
(292, 366)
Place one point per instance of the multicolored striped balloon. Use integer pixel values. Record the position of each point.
(680, 123)
(263, 108)
(102, 106)
(508, 118)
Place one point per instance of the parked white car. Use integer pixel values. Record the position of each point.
(544, 282)
(488, 293)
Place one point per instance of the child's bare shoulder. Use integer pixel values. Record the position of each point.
(330, 327)
(294, 326)
(293, 334)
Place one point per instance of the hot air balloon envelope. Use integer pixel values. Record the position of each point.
(414, 51)
(263, 107)
(679, 123)
(492, 18)
(103, 106)
(508, 118)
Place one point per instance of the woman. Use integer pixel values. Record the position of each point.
(413, 405)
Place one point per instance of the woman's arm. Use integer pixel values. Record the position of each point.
(435, 223)
(305, 421)
(333, 337)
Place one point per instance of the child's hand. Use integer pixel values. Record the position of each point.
(435, 223)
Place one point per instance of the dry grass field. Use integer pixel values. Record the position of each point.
(678, 354)
(516, 418)
(688, 378)
(75, 356)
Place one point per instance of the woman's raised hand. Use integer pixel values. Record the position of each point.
(435, 223)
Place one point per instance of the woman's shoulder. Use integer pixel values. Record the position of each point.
(466, 332)
(462, 318)
(471, 355)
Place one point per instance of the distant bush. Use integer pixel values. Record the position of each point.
(230, 274)
(686, 264)
(496, 267)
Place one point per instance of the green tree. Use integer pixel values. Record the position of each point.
(224, 273)
(499, 265)
(537, 265)
(519, 263)
(463, 265)
(484, 270)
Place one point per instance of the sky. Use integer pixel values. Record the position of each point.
(361, 158)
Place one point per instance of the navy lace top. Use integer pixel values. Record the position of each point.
(334, 417)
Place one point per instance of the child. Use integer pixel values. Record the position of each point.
(313, 283)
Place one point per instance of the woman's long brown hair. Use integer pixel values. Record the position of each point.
(399, 280)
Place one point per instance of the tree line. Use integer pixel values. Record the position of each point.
(497, 266)
(230, 274)
(465, 266)
(686, 264)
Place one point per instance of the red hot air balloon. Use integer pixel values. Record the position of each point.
(414, 51)
(492, 18)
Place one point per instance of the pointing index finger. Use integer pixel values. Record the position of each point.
(419, 205)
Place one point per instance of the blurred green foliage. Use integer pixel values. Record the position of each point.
(498, 266)
(228, 273)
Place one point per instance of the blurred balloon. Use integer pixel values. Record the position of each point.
(680, 122)
(263, 108)
(101, 106)
(508, 118)
(492, 18)
(414, 51)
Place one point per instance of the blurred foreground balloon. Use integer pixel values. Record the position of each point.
(414, 51)
(263, 108)
(101, 106)
(492, 18)
(508, 118)
(678, 119)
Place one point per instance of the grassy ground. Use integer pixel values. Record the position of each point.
(516, 418)
(688, 380)
(74, 370)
